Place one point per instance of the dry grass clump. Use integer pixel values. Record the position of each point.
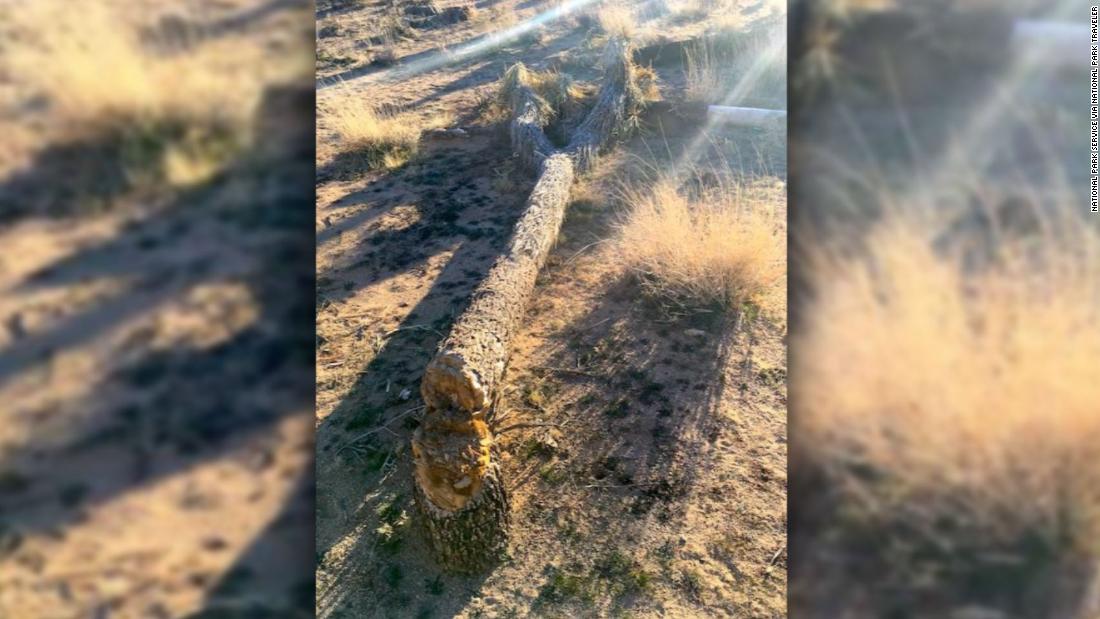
(724, 245)
(704, 80)
(383, 139)
(375, 137)
(930, 390)
(617, 20)
(739, 66)
(391, 28)
(149, 113)
(95, 70)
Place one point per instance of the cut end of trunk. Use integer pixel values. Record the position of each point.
(459, 490)
(451, 450)
(450, 382)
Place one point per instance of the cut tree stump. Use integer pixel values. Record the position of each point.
(460, 491)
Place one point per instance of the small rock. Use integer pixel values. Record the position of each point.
(695, 333)
(977, 612)
(422, 9)
(455, 132)
(214, 544)
(463, 483)
(16, 327)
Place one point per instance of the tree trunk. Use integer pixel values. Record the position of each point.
(531, 113)
(475, 537)
(471, 361)
(612, 113)
(459, 486)
(459, 490)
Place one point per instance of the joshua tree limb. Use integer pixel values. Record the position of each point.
(530, 113)
(612, 114)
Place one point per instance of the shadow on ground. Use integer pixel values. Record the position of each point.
(162, 411)
(362, 443)
(180, 35)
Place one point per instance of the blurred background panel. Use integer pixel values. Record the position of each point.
(156, 308)
(945, 298)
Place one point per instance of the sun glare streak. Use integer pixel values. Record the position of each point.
(970, 148)
(777, 43)
(474, 48)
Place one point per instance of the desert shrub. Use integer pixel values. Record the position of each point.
(390, 28)
(932, 386)
(723, 245)
(166, 117)
(616, 20)
(375, 137)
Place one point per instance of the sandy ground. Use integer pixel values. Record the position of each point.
(644, 444)
(156, 442)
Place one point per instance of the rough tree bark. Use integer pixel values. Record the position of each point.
(462, 497)
(466, 370)
(530, 113)
(611, 114)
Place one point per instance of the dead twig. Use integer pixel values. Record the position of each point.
(775, 557)
(584, 249)
(517, 426)
(380, 428)
(639, 484)
(570, 371)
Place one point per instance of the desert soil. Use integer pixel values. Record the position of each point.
(156, 444)
(643, 443)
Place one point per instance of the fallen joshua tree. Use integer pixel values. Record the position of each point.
(460, 492)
